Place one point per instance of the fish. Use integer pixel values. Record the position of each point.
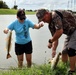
(8, 43)
(55, 61)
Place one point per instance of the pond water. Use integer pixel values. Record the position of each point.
(41, 54)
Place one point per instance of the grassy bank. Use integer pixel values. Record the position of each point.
(44, 69)
(13, 12)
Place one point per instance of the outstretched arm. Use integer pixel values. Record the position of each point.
(37, 26)
(53, 42)
(57, 35)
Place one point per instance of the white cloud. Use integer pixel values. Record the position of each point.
(35, 4)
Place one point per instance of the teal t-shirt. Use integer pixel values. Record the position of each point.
(22, 30)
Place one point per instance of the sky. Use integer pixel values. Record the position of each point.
(37, 4)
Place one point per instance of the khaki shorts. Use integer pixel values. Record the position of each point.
(70, 42)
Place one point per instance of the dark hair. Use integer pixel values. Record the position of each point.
(21, 14)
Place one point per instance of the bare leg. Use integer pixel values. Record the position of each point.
(72, 63)
(64, 50)
(20, 60)
(28, 59)
(64, 57)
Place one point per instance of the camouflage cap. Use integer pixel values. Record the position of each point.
(40, 13)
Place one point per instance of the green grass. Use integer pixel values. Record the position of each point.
(13, 12)
(29, 12)
(44, 69)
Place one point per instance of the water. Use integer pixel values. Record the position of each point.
(41, 54)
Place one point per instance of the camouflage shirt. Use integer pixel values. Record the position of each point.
(67, 23)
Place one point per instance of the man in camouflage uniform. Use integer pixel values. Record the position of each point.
(61, 22)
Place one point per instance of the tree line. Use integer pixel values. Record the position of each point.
(5, 6)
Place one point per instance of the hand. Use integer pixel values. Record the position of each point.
(6, 31)
(41, 24)
(49, 45)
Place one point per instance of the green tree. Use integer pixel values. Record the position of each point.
(3, 5)
(15, 7)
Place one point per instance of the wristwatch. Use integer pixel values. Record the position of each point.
(50, 41)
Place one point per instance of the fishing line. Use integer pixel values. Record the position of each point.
(14, 60)
(45, 58)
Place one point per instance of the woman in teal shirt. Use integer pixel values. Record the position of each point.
(23, 42)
